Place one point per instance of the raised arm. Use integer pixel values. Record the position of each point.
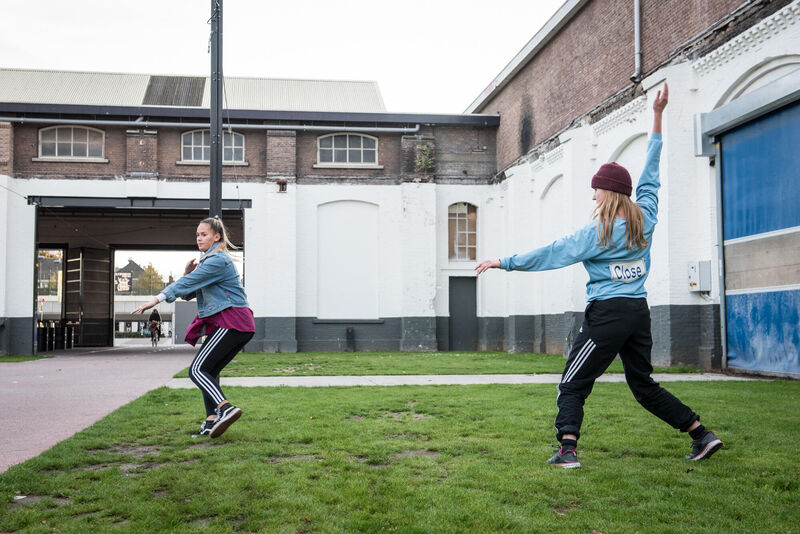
(658, 107)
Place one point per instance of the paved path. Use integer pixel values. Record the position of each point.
(435, 380)
(47, 401)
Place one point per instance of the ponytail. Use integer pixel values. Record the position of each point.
(606, 210)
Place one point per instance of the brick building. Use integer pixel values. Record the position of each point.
(579, 94)
(366, 225)
(341, 207)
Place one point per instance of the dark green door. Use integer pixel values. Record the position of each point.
(463, 313)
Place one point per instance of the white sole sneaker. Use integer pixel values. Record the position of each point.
(225, 420)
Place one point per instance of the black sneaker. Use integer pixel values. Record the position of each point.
(227, 414)
(566, 458)
(205, 428)
(704, 447)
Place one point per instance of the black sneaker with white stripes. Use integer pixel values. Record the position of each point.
(704, 447)
(205, 428)
(227, 414)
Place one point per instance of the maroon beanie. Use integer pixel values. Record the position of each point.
(612, 177)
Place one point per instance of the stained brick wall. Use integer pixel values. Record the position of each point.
(281, 158)
(142, 151)
(461, 153)
(169, 154)
(389, 156)
(591, 60)
(6, 148)
(465, 154)
(26, 148)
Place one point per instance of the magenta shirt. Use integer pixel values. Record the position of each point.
(240, 319)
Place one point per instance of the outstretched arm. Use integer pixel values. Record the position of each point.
(649, 181)
(658, 108)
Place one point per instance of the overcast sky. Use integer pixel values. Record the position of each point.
(432, 56)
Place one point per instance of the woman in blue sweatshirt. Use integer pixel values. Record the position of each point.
(615, 250)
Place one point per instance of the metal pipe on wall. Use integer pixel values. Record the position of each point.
(637, 40)
(147, 124)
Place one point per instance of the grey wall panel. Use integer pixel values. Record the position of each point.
(185, 312)
(686, 335)
(418, 334)
(16, 335)
(443, 333)
(491, 333)
(520, 333)
(316, 335)
(274, 334)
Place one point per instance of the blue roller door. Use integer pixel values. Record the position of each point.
(761, 217)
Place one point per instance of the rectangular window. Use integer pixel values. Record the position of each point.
(462, 232)
(347, 150)
(70, 142)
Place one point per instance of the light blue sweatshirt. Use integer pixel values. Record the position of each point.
(613, 272)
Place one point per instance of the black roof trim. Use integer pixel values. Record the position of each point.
(255, 115)
(140, 203)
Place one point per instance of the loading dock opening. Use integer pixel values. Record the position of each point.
(88, 230)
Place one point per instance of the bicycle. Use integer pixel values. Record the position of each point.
(155, 332)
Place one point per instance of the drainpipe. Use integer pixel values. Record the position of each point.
(637, 39)
(140, 123)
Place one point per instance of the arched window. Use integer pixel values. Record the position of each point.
(347, 150)
(71, 142)
(462, 224)
(196, 147)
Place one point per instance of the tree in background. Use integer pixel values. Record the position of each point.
(150, 282)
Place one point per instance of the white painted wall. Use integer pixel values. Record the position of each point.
(406, 268)
(539, 208)
(18, 249)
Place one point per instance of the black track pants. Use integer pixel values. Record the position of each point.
(219, 348)
(610, 327)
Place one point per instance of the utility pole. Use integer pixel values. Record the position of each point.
(215, 167)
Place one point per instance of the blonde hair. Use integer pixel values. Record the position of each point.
(607, 209)
(224, 244)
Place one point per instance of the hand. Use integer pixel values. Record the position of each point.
(485, 265)
(144, 307)
(190, 266)
(661, 99)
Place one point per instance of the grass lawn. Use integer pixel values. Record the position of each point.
(15, 358)
(399, 363)
(417, 459)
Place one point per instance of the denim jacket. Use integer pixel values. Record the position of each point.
(215, 283)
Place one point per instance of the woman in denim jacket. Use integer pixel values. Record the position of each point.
(223, 316)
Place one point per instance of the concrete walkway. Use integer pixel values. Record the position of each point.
(435, 380)
(47, 401)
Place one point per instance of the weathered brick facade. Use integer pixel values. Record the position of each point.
(142, 153)
(461, 153)
(583, 69)
(6, 147)
(281, 157)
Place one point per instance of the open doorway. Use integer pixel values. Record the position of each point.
(82, 259)
(140, 275)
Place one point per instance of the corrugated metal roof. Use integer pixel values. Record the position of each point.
(81, 88)
(120, 89)
(300, 95)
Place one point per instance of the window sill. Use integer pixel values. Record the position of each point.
(70, 160)
(346, 166)
(462, 265)
(206, 163)
(347, 321)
